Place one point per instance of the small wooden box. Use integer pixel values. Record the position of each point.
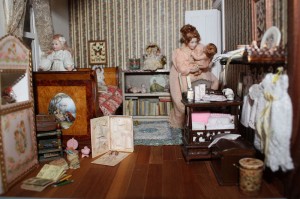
(45, 123)
(225, 157)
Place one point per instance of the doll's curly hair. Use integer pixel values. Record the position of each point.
(210, 50)
(63, 41)
(188, 32)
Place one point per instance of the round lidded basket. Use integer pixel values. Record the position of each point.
(251, 171)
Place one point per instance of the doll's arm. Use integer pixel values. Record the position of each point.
(200, 57)
(46, 63)
(203, 64)
(68, 61)
(182, 63)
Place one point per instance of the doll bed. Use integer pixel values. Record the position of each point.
(111, 98)
(81, 86)
(101, 103)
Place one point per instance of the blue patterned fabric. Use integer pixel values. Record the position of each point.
(156, 134)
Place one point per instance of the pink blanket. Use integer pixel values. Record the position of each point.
(110, 101)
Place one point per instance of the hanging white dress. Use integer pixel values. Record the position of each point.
(259, 137)
(275, 123)
(246, 111)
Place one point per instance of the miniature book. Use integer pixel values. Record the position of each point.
(49, 174)
(111, 134)
(60, 162)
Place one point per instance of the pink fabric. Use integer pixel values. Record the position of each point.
(201, 117)
(110, 101)
(182, 63)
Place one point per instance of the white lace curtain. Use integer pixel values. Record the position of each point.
(15, 16)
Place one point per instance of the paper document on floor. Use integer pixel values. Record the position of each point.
(111, 158)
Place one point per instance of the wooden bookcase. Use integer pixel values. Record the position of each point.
(148, 105)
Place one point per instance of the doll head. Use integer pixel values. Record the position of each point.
(59, 43)
(189, 32)
(210, 50)
(152, 49)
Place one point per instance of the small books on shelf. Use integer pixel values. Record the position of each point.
(148, 106)
(49, 174)
(112, 135)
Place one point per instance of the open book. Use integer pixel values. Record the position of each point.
(49, 174)
(112, 136)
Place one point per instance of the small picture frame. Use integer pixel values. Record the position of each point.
(261, 18)
(97, 52)
(271, 38)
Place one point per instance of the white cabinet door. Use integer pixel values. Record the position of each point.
(208, 24)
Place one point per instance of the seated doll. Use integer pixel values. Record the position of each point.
(153, 58)
(204, 58)
(59, 58)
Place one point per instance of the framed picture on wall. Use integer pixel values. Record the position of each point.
(261, 18)
(97, 52)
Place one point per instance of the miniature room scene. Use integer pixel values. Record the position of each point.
(149, 99)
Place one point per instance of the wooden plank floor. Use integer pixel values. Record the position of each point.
(149, 172)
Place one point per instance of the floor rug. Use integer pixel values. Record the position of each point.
(156, 133)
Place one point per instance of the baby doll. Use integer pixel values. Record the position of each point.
(205, 58)
(59, 58)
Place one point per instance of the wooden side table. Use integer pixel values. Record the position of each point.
(195, 142)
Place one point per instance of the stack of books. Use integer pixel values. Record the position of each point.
(48, 175)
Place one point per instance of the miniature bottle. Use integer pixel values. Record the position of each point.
(190, 95)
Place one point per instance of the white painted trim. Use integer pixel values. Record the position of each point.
(35, 48)
(2, 19)
(220, 5)
(223, 25)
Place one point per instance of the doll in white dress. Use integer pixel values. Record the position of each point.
(60, 58)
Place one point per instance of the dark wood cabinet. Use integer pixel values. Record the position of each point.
(196, 142)
(80, 87)
(82, 99)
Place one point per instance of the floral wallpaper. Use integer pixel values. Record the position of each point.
(128, 26)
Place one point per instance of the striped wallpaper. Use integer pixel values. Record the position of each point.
(238, 27)
(128, 26)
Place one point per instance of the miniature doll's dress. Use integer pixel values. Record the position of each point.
(57, 61)
(275, 123)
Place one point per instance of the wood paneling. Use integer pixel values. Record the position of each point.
(292, 190)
